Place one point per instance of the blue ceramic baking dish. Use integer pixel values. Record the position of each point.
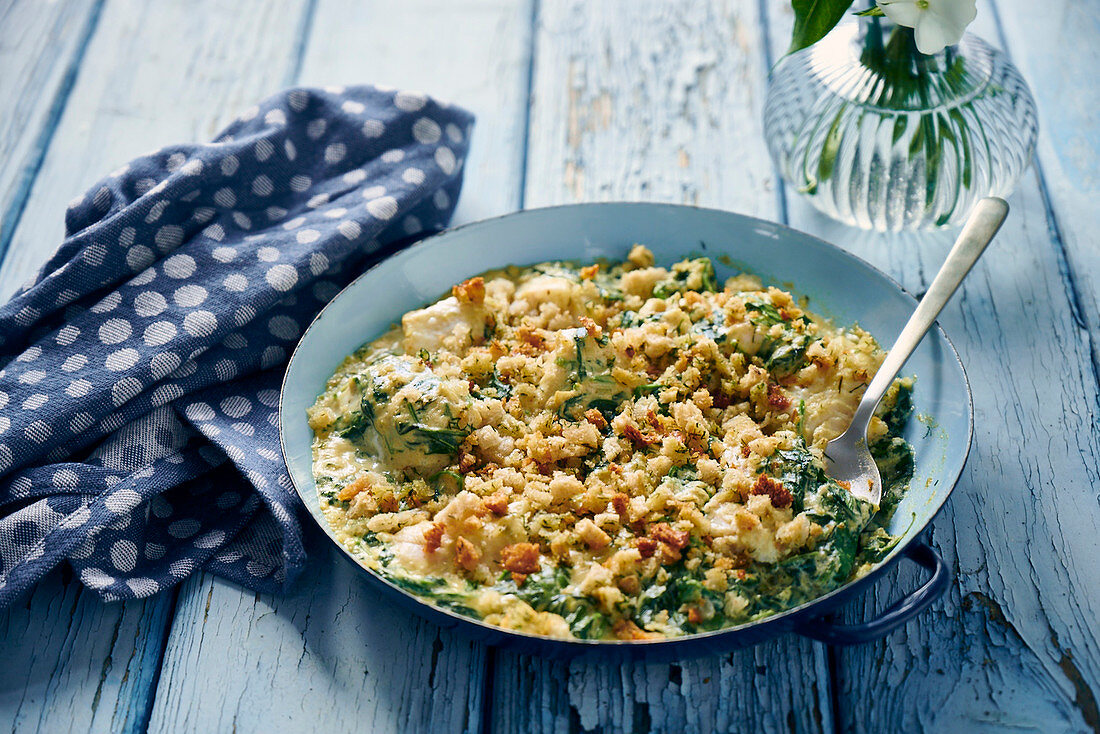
(838, 285)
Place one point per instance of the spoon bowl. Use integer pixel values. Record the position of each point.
(847, 457)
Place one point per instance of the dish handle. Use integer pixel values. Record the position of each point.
(898, 614)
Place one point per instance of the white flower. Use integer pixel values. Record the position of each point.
(936, 23)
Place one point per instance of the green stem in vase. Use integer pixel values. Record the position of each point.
(879, 135)
(916, 84)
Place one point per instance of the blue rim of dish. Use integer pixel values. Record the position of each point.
(786, 616)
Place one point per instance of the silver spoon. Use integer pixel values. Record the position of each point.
(847, 458)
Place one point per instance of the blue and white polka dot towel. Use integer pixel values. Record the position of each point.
(139, 371)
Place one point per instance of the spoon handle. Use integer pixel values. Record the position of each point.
(980, 227)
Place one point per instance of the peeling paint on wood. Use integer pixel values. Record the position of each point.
(39, 64)
(649, 101)
(74, 663)
(326, 657)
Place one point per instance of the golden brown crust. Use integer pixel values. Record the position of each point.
(466, 554)
(596, 418)
(619, 502)
(470, 291)
(773, 489)
(433, 537)
(664, 533)
(776, 398)
(497, 503)
(353, 488)
(647, 547)
(607, 438)
(520, 557)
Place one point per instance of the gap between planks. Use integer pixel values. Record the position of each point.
(20, 192)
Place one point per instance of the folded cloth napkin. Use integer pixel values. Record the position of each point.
(141, 368)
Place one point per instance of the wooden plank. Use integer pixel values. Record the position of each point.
(154, 74)
(73, 663)
(151, 76)
(49, 654)
(39, 53)
(1014, 644)
(1069, 136)
(325, 657)
(473, 53)
(653, 101)
(328, 656)
(649, 101)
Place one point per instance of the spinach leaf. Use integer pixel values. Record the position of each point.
(894, 457)
(437, 481)
(608, 408)
(575, 407)
(684, 588)
(578, 341)
(432, 589)
(876, 545)
(688, 275)
(503, 389)
(434, 440)
(354, 424)
(545, 592)
(898, 412)
(787, 355)
(766, 314)
(713, 328)
(798, 470)
(351, 425)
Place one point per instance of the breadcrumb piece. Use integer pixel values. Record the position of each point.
(640, 256)
(664, 533)
(353, 488)
(620, 502)
(497, 503)
(647, 547)
(776, 398)
(466, 555)
(520, 557)
(593, 537)
(470, 291)
(433, 537)
(596, 418)
(775, 490)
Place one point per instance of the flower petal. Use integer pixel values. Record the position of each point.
(902, 12)
(932, 34)
(957, 13)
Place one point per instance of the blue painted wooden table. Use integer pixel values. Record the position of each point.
(576, 100)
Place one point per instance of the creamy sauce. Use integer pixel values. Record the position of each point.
(619, 451)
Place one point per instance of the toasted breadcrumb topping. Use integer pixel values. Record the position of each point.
(613, 451)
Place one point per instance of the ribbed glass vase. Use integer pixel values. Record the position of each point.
(880, 136)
